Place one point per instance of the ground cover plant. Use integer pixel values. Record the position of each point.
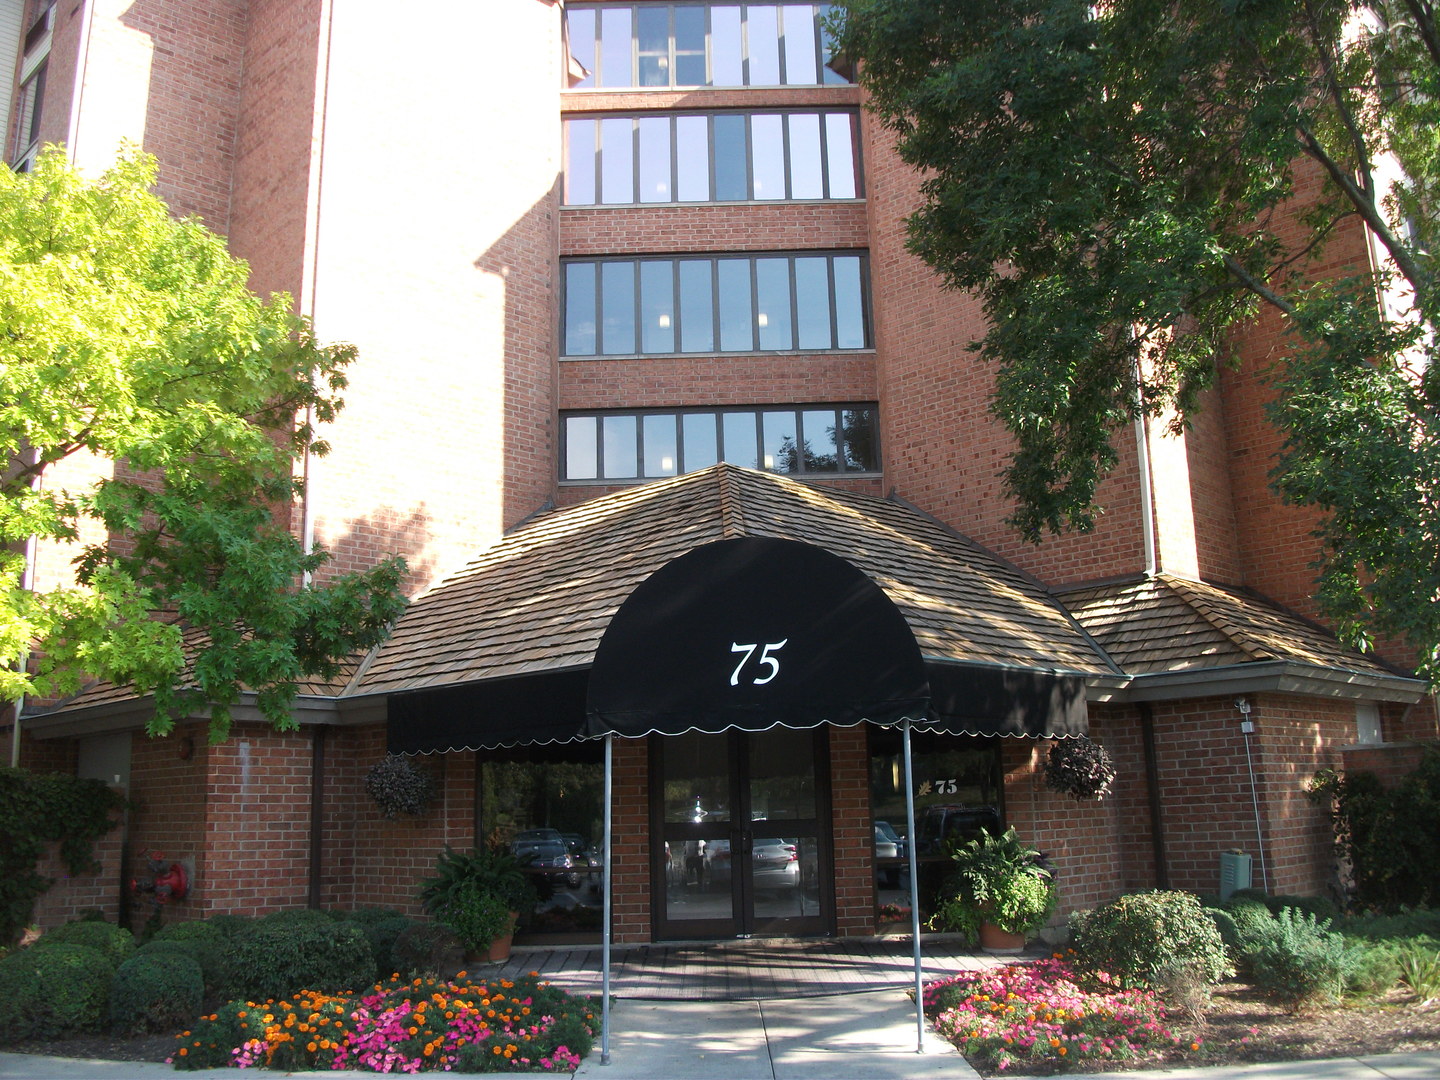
(1038, 1016)
(401, 1025)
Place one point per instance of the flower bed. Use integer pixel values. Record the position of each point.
(420, 1025)
(1035, 1012)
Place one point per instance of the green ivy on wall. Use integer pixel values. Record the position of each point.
(37, 809)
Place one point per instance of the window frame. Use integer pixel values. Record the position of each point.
(598, 77)
(717, 308)
(575, 157)
(758, 413)
(30, 89)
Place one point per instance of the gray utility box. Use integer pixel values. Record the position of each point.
(1234, 872)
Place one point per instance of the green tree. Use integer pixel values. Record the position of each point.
(1124, 184)
(134, 337)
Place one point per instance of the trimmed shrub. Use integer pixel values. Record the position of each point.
(1135, 939)
(1302, 963)
(382, 937)
(230, 925)
(280, 956)
(117, 943)
(192, 930)
(55, 992)
(210, 956)
(155, 991)
(206, 943)
(368, 916)
(428, 949)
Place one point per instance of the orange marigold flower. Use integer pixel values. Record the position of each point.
(312, 1047)
(183, 1051)
(414, 1031)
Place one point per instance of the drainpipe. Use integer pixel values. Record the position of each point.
(317, 810)
(1152, 785)
(1147, 482)
(77, 97)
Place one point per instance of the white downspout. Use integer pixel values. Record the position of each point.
(1147, 482)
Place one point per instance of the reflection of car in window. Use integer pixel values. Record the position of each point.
(888, 846)
(774, 863)
(939, 826)
(544, 849)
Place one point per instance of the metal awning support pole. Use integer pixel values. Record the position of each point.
(911, 852)
(609, 848)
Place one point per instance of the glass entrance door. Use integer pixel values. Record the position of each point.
(742, 849)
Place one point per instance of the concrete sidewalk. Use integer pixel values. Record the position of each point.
(857, 1036)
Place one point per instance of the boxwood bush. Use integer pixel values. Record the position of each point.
(282, 955)
(201, 940)
(117, 943)
(54, 992)
(428, 949)
(1139, 939)
(155, 991)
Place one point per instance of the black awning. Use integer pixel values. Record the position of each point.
(752, 633)
(547, 707)
(974, 700)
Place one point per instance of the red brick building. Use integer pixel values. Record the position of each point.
(583, 249)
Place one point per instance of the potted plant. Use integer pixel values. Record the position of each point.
(469, 887)
(999, 890)
(481, 920)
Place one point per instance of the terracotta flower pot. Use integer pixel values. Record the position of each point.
(1000, 942)
(500, 947)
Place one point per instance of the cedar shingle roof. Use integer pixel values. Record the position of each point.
(541, 598)
(103, 693)
(1173, 624)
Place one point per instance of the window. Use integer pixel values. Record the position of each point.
(1367, 723)
(715, 157)
(648, 444)
(709, 304)
(31, 98)
(659, 45)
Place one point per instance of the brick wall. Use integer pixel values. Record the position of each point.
(630, 826)
(256, 823)
(376, 862)
(170, 789)
(572, 494)
(1080, 838)
(434, 253)
(1390, 762)
(69, 896)
(853, 832)
(276, 145)
(646, 230)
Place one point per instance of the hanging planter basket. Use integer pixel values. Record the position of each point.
(1080, 768)
(399, 786)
